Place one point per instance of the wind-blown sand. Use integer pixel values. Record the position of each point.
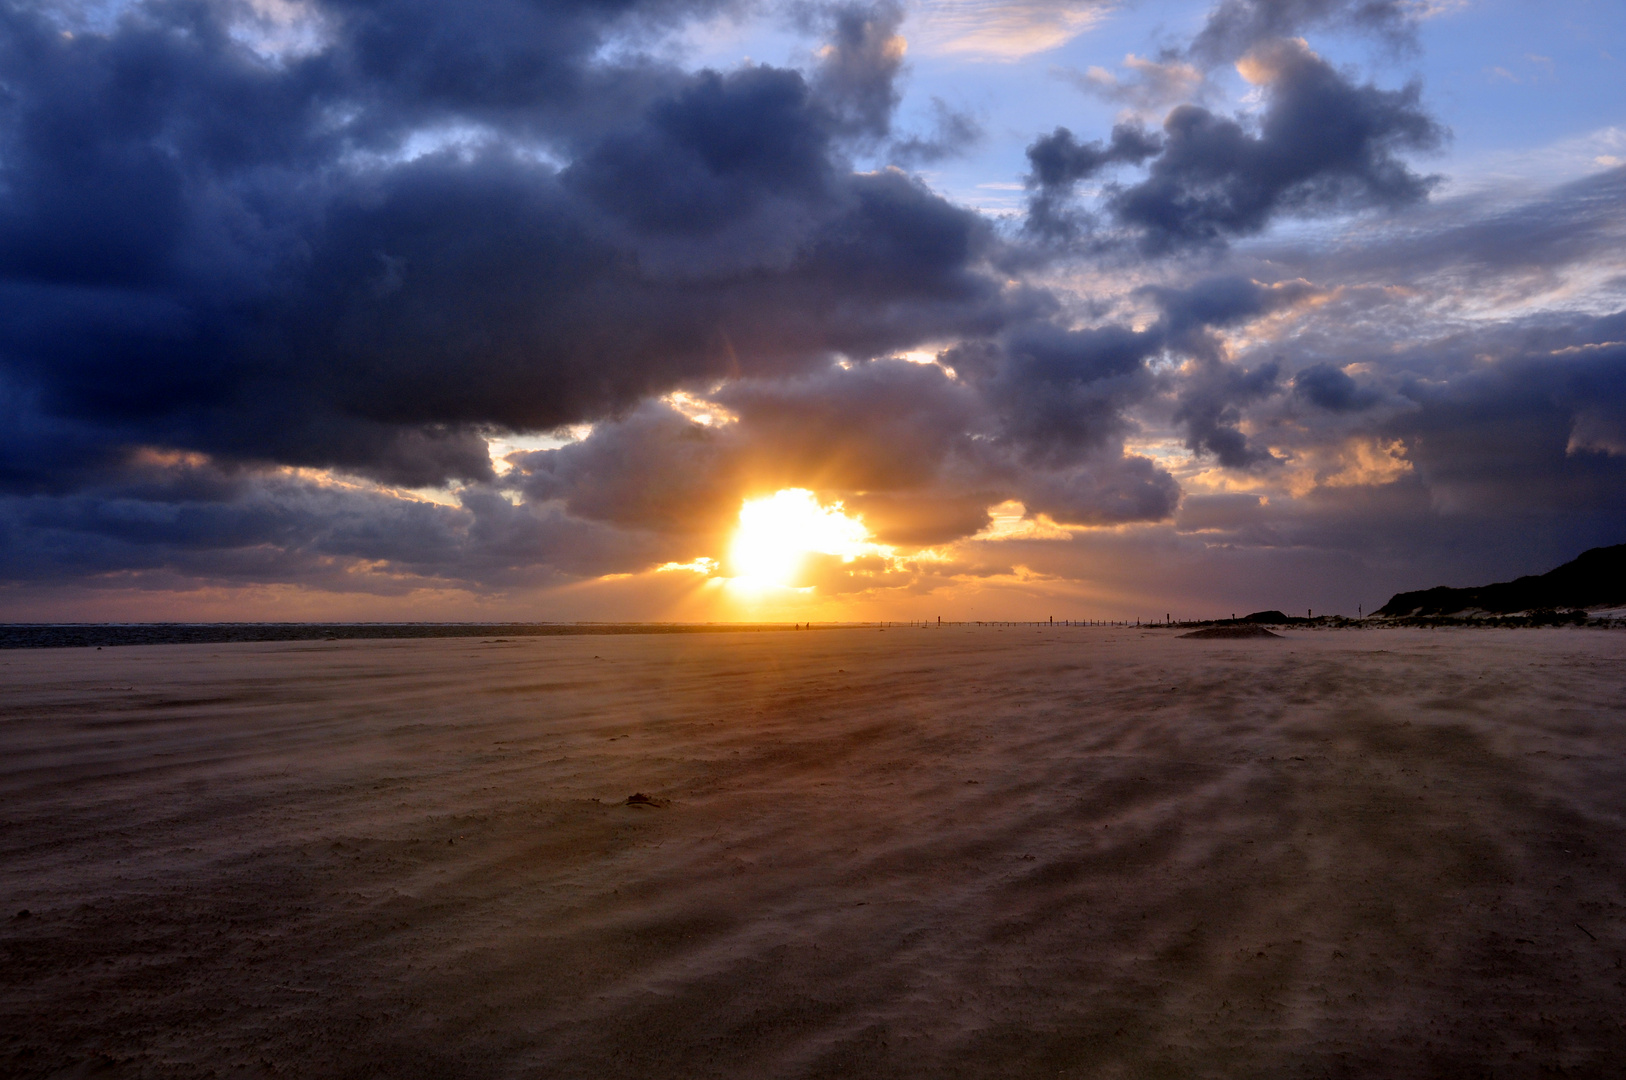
(923, 853)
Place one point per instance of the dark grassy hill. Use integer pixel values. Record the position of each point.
(1595, 579)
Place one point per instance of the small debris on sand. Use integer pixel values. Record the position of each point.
(1231, 632)
(638, 798)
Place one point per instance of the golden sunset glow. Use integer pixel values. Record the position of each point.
(777, 534)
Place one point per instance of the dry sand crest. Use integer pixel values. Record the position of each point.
(980, 853)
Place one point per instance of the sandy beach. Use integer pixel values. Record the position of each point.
(1081, 852)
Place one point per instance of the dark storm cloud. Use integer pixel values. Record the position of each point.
(1331, 389)
(261, 259)
(1059, 394)
(1234, 27)
(858, 71)
(172, 522)
(1106, 492)
(1515, 441)
(920, 454)
(878, 427)
(203, 248)
(652, 469)
(1216, 302)
(1322, 144)
(1209, 407)
(1480, 241)
(249, 531)
(1063, 395)
(1210, 399)
(953, 132)
(1517, 423)
(1058, 162)
(890, 432)
(919, 520)
(1541, 428)
(1403, 307)
(433, 223)
(1036, 413)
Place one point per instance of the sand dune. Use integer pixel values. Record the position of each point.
(1595, 580)
(909, 853)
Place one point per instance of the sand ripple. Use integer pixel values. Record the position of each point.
(978, 853)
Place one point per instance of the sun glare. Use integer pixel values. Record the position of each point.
(779, 532)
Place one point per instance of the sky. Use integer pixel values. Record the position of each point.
(708, 310)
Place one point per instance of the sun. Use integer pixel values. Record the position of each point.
(777, 534)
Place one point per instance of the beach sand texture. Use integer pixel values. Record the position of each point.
(911, 853)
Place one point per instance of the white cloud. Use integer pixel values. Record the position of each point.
(986, 30)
